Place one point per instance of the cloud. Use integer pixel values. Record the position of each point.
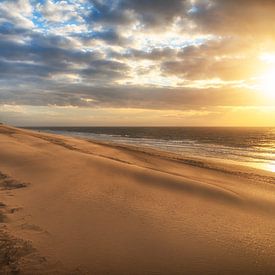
(200, 68)
(154, 54)
(110, 36)
(44, 55)
(155, 13)
(152, 14)
(225, 58)
(105, 69)
(60, 11)
(235, 17)
(16, 12)
(134, 54)
(130, 97)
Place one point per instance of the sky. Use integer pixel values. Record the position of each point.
(137, 62)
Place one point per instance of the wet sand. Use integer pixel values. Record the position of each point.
(72, 206)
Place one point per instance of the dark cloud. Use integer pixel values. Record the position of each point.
(8, 28)
(109, 36)
(203, 69)
(221, 17)
(131, 97)
(154, 54)
(105, 69)
(227, 59)
(45, 55)
(235, 17)
(156, 13)
(18, 69)
(109, 12)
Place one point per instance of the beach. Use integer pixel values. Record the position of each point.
(74, 206)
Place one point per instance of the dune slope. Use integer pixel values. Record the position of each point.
(71, 206)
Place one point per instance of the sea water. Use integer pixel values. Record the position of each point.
(244, 146)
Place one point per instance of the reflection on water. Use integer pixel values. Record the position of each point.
(270, 167)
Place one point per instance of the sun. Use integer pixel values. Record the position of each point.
(266, 84)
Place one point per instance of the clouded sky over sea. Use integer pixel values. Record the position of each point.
(137, 62)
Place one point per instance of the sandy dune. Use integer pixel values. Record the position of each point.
(71, 206)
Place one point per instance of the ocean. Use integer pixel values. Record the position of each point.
(254, 147)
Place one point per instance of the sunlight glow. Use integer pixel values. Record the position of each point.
(271, 167)
(266, 84)
(268, 58)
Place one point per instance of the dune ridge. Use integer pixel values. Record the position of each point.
(132, 210)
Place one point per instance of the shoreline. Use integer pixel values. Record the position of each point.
(252, 165)
(214, 164)
(130, 209)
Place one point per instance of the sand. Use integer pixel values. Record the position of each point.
(72, 206)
